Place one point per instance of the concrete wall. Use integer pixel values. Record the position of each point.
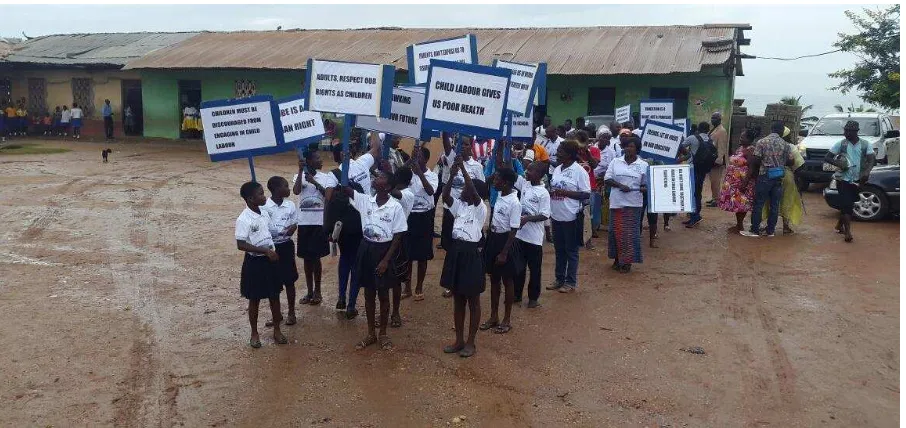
(106, 84)
(709, 91)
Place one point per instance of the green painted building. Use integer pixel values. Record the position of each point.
(591, 70)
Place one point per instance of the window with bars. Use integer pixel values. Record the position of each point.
(245, 88)
(6, 93)
(83, 94)
(37, 96)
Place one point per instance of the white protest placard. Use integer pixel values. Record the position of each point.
(659, 110)
(661, 140)
(241, 128)
(623, 114)
(523, 85)
(683, 124)
(405, 115)
(670, 189)
(462, 49)
(299, 125)
(466, 98)
(521, 127)
(349, 87)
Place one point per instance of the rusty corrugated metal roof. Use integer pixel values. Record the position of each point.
(108, 49)
(570, 51)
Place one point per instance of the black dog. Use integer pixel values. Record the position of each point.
(104, 154)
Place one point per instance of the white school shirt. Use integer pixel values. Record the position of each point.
(407, 200)
(507, 213)
(253, 228)
(75, 112)
(379, 223)
(535, 200)
(475, 170)
(575, 179)
(632, 175)
(468, 220)
(281, 216)
(66, 116)
(311, 201)
(551, 148)
(424, 201)
(360, 171)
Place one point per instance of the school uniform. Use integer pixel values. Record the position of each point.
(260, 278)
(379, 224)
(281, 217)
(463, 271)
(313, 241)
(76, 120)
(476, 172)
(506, 217)
(535, 200)
(360, 171)
(421, 219)
(65, 119)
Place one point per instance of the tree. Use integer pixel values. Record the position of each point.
(854, 109)
(877, 44)
(796, 101)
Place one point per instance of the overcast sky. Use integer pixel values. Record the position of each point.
(778, 31)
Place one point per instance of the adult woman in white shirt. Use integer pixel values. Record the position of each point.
(628, 176)
(570, 185)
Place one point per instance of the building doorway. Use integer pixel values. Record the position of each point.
(680, 97)
(189, 97)
(133, 124)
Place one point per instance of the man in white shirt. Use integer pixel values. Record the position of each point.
(551, 143)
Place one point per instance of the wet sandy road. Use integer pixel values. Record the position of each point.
(119, 306)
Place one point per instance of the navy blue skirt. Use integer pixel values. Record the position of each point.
(260, 278)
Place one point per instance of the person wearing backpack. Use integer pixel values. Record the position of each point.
(772, 154)
(703, 155)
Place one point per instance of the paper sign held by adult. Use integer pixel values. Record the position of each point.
(523, 85)
(465, 98)
(405, 115)
(462, 49)
(239, 128)
(670, 189)
(623, 114)
(661, 140)
(349, 87)
(660, 110)
(299, 126)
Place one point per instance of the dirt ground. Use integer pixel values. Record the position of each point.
(120, 305)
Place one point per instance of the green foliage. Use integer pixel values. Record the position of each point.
(854, 109)
(796, 101)
(876, 76)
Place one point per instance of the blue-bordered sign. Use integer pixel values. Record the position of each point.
(670, 189)
(241, 128)
(684, 123)
(661, 141)
(623, 114)
(457, 49)
(466, 98)
(405, 116)
(300, 127)
(349, 87)
(541, 91)
(521, 127)
(523, 85)
(659, 110)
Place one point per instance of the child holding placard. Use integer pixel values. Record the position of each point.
(463, 272)
(260, 277)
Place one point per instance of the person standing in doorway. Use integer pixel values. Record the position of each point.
(721, 140)
(130, 120)
(855, 164)
(107, 111)
(771, 155)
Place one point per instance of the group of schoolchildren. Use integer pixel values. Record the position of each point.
(15, 121)
(382, 222)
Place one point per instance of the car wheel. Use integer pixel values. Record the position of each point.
(872, 204)
(802, 184)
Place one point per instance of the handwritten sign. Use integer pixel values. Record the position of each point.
(241, 128)
(670, 189)
(405, 115)
(466, 98)
(299, 125)
(682, 123)
(462, 49)
(523, 85)
(624, 114)
(349, 87)
(661, 140)
(659, 110)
